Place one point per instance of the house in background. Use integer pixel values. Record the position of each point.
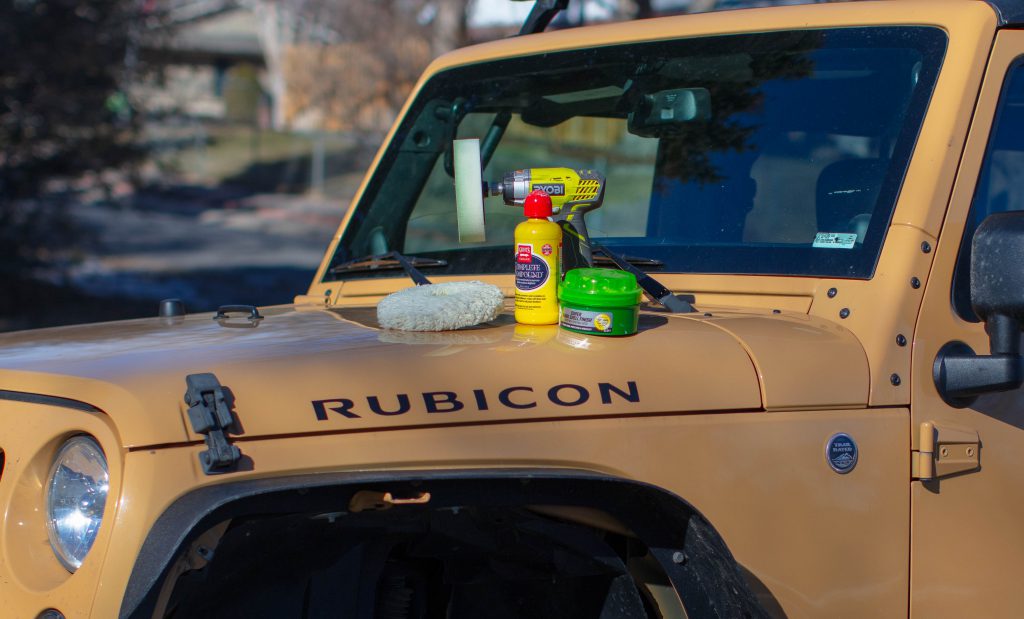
(204, 61)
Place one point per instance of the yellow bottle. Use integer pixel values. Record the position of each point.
(538, 243)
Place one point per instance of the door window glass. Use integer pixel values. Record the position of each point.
(1000, 183)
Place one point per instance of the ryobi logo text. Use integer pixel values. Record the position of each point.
(552, 189)
(512, 398)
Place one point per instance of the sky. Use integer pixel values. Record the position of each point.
(504, 12)
(497, 12)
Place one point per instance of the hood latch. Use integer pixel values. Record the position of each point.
(209, 411)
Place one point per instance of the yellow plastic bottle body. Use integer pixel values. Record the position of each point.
(538, 243)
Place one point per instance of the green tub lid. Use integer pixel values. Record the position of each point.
(599, 288)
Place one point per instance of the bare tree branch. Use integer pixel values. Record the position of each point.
(350, 65)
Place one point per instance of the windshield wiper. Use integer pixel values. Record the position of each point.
(602, 259)
(391, 260)
(653, 289)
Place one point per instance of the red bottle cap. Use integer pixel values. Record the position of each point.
(537, 204)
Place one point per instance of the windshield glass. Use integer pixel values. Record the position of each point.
(771, 153)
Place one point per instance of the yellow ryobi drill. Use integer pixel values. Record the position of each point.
(574, 193)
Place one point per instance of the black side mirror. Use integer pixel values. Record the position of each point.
(997, 295)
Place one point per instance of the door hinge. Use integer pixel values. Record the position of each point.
(945, 450)
(209, 412)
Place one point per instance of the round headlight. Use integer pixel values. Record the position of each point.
(75, 496)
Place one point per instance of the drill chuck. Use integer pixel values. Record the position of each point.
(513, 188)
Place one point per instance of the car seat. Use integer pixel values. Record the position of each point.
(846, 194)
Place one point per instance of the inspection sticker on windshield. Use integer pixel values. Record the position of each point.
(835, 240)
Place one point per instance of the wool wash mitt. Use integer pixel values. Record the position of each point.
(440, 307)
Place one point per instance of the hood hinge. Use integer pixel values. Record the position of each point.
(945, 450)
(209, 411)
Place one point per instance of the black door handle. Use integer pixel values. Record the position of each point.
(224, 310)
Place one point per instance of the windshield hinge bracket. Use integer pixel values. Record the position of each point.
(541, 14)
(209, 412)
(945, 450)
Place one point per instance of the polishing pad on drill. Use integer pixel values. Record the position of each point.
(440, 307)
(469, 199)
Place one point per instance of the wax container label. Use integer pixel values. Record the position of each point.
(582, 320)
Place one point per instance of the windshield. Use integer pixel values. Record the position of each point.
(785, 156)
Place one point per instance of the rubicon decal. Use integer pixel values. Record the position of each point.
(510, 398)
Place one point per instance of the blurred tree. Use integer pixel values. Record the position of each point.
(448, 24)
(351, 64)
(643, 9)
(62, 113)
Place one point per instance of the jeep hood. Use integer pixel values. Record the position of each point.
(301, 371)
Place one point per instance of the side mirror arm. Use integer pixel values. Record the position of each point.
(961, 375)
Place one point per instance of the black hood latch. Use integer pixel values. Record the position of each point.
(209, 411)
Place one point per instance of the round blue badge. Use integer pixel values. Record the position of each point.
(841, 453)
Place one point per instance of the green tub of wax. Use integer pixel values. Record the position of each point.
(599, 302)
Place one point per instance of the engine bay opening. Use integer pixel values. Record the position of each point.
(418, 561)
(452, 544)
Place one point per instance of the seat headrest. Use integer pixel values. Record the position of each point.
(846, 190)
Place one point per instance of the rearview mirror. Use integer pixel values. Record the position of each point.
(997, 295)
(661, 113)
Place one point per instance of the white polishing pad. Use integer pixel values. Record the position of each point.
(440, 307)
(469, 195)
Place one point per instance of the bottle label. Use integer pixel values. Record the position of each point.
(524, 252)
(599, 322)
(536, 271)
(532, 271)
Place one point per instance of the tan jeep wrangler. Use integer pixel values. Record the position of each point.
(832, 432)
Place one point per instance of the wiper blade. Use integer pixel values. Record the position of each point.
(391, 260)
(603, 259)
(653, 289)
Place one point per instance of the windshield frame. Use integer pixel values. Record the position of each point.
(931, 40)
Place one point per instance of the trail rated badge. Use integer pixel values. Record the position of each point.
(841, 453)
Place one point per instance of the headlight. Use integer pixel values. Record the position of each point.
(76, 493)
